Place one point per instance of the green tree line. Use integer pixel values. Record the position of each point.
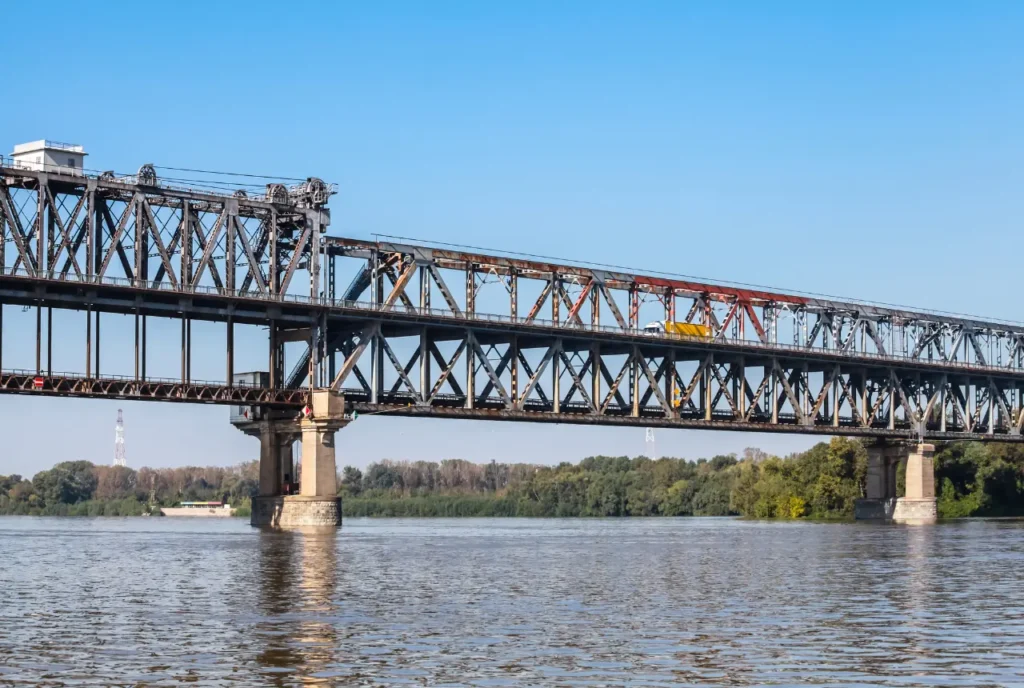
(972, 479)
(80, 488)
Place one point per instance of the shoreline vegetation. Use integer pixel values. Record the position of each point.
(972, 479)
(80, 488)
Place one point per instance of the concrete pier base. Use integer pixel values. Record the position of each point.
(317, 504)
(296, 511)
(874, 509)
(918, 505)
(881, 503)
(915, 511)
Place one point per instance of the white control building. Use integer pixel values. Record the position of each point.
(49, 156)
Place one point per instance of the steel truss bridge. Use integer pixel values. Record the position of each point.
(435, 331)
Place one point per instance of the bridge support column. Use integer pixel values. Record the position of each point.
(880, 502)
(918, 506)
(880, 493)
(317, 504)
(276, 461)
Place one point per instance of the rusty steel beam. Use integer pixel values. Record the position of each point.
(70, 385)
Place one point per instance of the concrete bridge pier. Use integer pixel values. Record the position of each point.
(277, 463)
(881, 502)
(918, 504)
(316, 503)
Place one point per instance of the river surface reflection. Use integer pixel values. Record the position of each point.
(494, 602)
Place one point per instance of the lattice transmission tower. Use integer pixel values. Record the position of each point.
(652, 449)
(119, 457)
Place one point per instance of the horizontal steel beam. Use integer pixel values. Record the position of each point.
(77, 385)
(209, 305)
(399, 410)
(67, 385)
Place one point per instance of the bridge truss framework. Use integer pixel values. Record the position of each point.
(435, 331)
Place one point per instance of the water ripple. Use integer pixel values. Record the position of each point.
(660, 602)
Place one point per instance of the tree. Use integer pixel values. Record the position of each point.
(352, 479)
(743, 498)
(69, 482)
(382, 476)
(678, 499)
(114, 482)
(712, 494)
(8, 481)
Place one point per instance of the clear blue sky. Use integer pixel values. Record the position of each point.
(867, 149)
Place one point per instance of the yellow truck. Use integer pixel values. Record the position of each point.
(671, 327)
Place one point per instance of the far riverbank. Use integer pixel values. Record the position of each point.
(824, 482)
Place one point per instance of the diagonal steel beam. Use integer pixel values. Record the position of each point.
(972, 338)
(21, 240)
(872, 328)
(255, 271)
(723, 388)
(446, 372)
(787, 390)
(399, 289)
(65, 236)
(535, 376)
(687, 395)
(826, 385)
(539, 303)
(453, 306)
(154, 232)
(503, 363)
(171, 248)
(577, 381)
(115, 239)
(261, 249)
(118, 246)
(652, 380)
(482, 358)
(997, 394)
(574, 308)
(402, 373)
(845, 392)
(756, 322)
(436, 353)
(754, 397)
(208, 243)
(613, 307)
(293, 264)
(729, 316)
(613, 386)
(389, 271)
(658, 375)
(365, 336)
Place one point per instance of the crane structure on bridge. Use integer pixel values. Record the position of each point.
(450, 332)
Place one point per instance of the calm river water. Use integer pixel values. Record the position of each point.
(493, 602)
